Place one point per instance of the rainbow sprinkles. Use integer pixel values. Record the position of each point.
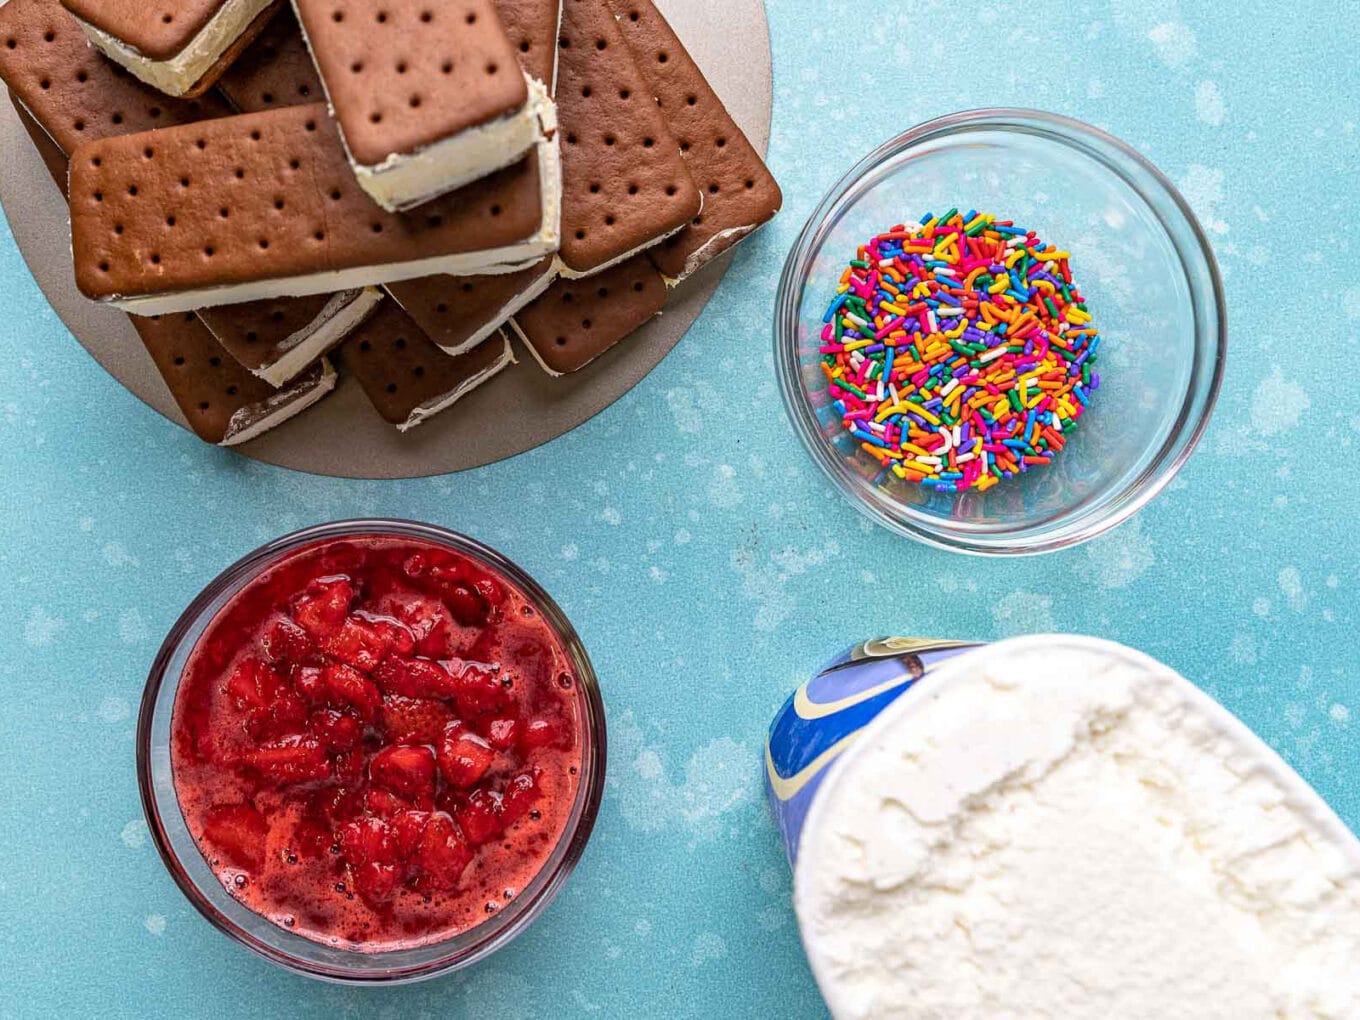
(958, 351)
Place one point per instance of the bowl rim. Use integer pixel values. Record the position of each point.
(466, 947)
(1186, 432)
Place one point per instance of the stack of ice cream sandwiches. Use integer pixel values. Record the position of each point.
(407, 183)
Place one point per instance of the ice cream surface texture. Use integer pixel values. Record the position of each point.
(1057, 827)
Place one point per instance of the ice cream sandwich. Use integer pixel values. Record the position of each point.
(263, 205)
(406, 377)
(739, 191)
(577, 320)
(625, 185)
(427, 97)
(223, 402)
(180, 47)
(458, 313)
(74, 95)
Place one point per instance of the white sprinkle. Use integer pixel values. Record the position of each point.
(949, 310)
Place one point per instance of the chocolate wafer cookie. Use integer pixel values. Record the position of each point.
(428, 97)
(575, 321)
(533, 27)
(77, 96)
(740, 193)
(275, 70)
(625, 186)
(406, 377)
(180, 47)
(458, 313)
(263, 205)
(223, 402)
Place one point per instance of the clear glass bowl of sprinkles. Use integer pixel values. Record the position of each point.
(1144, 266)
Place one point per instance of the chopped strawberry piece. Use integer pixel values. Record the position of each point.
(480, 817)
(348, 686)
(321, 609)
(464, 757)
(414, 720)
(384, 804)
(336, 806)
(477, 690)
(400, 640)
(405, 770)
(547, 732)
(288, 762)
(308, 683)
(489, 590)
(414, 678)
(357, 643)
(337, 731)
(502, 733)
(407, 828)
(349, 766)
(467, 605)
(285, 641)
(253, 684)
(442, 855)
(520, 795)
(375, 883)
(368, 839)
(428, 620)
(238, 833)
(311, 841)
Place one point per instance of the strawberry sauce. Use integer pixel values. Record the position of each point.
(376, 743)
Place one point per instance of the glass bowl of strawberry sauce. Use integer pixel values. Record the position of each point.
(372, 751)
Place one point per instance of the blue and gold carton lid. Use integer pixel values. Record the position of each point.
(824, 716)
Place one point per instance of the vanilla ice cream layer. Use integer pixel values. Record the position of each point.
(250, 422)
(1059, 827)
(342, 314)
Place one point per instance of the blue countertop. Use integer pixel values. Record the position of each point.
(707, 565)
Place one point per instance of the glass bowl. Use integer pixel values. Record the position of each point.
(292, 951)
(1143, 263)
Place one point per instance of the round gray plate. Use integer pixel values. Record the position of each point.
(343, 436)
